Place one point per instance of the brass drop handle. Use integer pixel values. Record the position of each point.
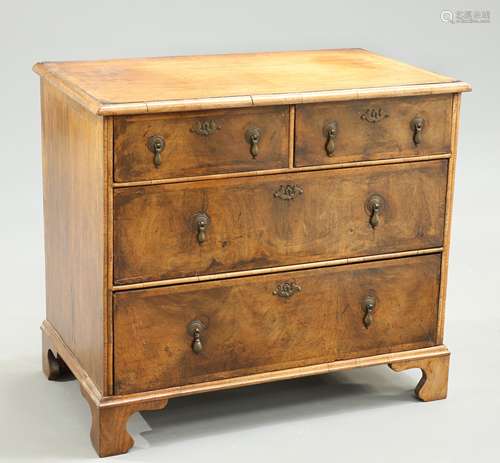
(195, 329)
(330, 132)
(253, 136)
(369, 306)
(374, 217)
(417, 125)
(201, 221)
(156, 144)
(374, 207)
(197, 345)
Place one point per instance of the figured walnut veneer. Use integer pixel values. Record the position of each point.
(221, 221)
(327, 221)
(250, 329)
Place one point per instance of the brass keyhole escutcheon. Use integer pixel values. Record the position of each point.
(195, 329)
(201, 221)
(417, 125)
(374, 115)
(288, 192)
(205, 128)
(253, 136)
(368, 307)
(374, 207)
(156, 145)
(330, 132)
(287, 289)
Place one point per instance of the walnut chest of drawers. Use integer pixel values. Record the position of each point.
(220, 221)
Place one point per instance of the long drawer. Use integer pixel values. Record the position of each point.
(199, 332)
(209, 227)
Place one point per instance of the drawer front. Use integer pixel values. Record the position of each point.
(200, 143)
(270, 322)
(329, 133)
(160, 231)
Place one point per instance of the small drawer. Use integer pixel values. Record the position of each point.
(362, 130)
(216, 226)
(171, 336)
(152, 147)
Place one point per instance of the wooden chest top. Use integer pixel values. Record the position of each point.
(132, 86)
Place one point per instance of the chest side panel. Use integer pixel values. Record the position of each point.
(74, 216)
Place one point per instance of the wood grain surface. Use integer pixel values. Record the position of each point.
(291, 273)
(108, 432)
(248, 328)
(201, 82)
(448, 217)
(74, 202)
(360, 140)
(434, 382)
(155, 236)
(188, 153)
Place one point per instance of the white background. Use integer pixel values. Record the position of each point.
(351, 416)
